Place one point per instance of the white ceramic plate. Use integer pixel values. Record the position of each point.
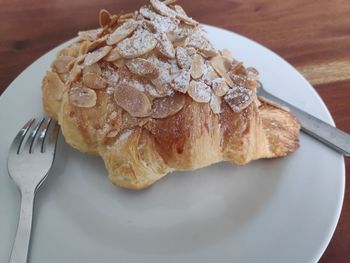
(282, 210)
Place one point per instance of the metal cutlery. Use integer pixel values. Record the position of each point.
(30, 158)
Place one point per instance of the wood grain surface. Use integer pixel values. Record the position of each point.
(314, 36)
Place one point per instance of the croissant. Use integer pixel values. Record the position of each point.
(149, 93)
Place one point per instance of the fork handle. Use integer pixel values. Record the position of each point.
(320, 130)
(21, 245)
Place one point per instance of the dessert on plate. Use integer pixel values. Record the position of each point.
(149, 93)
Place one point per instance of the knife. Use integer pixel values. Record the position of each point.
(316, 128)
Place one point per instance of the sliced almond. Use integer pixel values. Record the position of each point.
(55, 85)
(197, 40)
(75, 72)
(197, 67)
(164, 10)
(110, 73)
(127, 16)
(143, 67)
(97, 43)
(181, 81)
(199, 91)
(62, 64)
(82, 97)
(137, 45)
(147, 13)
(238, 98)
(184, 60)
(158, 23)
(227, 54)
(135, 102)
(209, 51)
(94, 81)
(215, 103)
(212, 75)
(168, 106)
(94, 68)
(90, 35)
(184, 30)
(222, 65)
(97, 55)
(165, 46)
(162, 82)
(252, 74)
(104, 18)
(113, 55)
(219, 87)
(122, 32)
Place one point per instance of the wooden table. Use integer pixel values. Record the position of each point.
(314, 36)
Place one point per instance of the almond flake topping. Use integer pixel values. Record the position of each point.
(148, 61)
(135, 102)
(181, 81)
(219, 87)
(183, 58)
(97, 55)
(197, 67)
(104, 18)
(164, 10)
(238, 98)
(90, 35)
(159, 23)
(199, 91)
(168, 106)
(94, 81)
(143, 67)
(197, 40)
(165, 46)
(113, 55)
(62, 64)
(162, 82)
(252, 74)
(122, 32)
(96, 44)
(137, 45)
(222, 66)
(94, 68)
(82, 97)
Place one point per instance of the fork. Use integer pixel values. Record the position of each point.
(30, 158)
(316, 128)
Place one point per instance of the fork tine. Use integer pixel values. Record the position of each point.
(51, 137)
(31, 139)
(48, 135)
(42, 133)
(18, 140)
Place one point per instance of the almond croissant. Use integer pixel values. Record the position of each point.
(149, 93)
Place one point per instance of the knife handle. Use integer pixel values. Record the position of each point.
(320, 130)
